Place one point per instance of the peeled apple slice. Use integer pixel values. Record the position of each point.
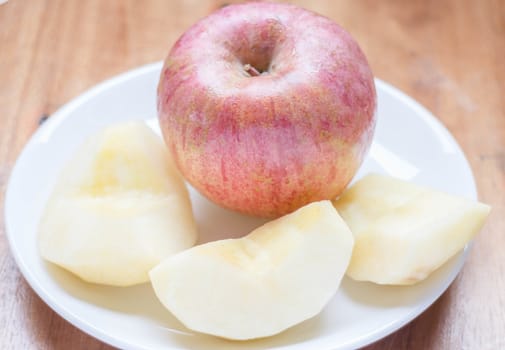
(118, 208)
(281, 274)
(402, 231)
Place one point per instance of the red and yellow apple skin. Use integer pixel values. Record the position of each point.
(267, 107)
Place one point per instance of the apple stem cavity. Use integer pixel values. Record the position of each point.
(253, 72)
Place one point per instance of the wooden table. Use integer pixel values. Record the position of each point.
(449, 55)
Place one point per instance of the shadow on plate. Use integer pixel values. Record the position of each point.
(215, 223)
(304, 331)
(137, 300)
(386, 296)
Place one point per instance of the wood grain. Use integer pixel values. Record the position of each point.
(446, 54)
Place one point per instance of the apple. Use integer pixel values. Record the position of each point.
(118, 208)
(267, 107)
(281, 274)
(402, 231)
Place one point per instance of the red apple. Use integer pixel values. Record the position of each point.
(267, 107)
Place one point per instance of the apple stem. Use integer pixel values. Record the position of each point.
(253, 72)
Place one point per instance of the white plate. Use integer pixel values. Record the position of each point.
(409, 143)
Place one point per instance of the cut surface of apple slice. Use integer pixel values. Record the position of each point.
(281, 274)
(403, 231)
(118, 208)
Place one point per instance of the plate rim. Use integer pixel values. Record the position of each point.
(65, 111)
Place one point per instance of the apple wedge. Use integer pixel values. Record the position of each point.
(118, 208)
(402, 231)
(281, 274)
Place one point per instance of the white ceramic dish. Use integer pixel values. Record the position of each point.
(409, 143)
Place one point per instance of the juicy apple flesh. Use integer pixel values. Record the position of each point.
(118, 208)
(403, 231)
(281, 274)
